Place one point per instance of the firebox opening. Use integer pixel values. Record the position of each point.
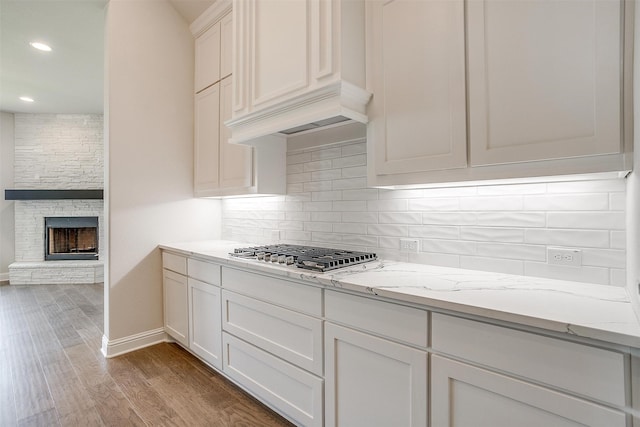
(71, 238)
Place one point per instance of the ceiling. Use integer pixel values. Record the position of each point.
(70, 78)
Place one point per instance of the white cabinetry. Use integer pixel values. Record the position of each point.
(546, 84)
(205, 337)
(542, 381)
(174, 288)
(191, 291)
(273, 342)
(467, 396)
(371, 381)
(296, 62)
(222, 168)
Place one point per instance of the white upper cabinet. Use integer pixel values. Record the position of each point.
(492, 89)
(296, 62)
(544, 79)
(222, 168)
(418, 112)
(207, 51)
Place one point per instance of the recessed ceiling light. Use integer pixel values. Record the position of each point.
(41, 46)
(26, 99)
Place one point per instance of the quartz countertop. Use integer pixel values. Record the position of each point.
(580, 309)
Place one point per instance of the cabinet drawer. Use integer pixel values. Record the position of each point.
(295, 337)
(397, 322)
(204, 271)
(292, 391)
(582, 369)
(296, 296)
(174, 262)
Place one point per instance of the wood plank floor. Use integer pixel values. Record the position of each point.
(53, 374)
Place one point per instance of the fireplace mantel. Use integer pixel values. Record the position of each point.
(54, 194)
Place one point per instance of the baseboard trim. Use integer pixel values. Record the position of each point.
(113, 348)
(4, 277)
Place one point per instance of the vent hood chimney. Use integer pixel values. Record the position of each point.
(297, 69)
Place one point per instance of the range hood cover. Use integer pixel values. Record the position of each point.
(326, 106)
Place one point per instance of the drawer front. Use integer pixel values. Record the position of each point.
(295, 393)
(295, 337)
(204, 271)
(390, 320)
(582, 369)
(174, 262)
(297, 296)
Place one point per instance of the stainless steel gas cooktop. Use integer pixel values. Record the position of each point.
(307, 257)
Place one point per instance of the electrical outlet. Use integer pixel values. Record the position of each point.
(275, 235)
(408, 245)
(563, 256)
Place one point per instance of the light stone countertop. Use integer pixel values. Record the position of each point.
(581, 309)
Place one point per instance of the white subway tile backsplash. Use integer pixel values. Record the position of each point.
(492, 203)
(448, 218)
(434, 204)
(350, 206)
(434, 232)
(611, 258)
(387, 205)
(388, 230)
(565, 202)
(320, 196)
(507, 266)
(592, 220)
(459, 247)
(502, 228)
(325, 175)
(400, 218)
(512, 251)
(492, 234)
(360, 194)
(354, 172)
(511, 219)
(568, 238)
(352, 149)
(351, 183)
(350, 228)
(350, 161)
(618, 240)
(365, 217)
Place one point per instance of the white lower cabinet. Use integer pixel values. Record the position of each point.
(205, 338)
(463, 395)
(290, 390)
(370, 381)
(176, 312)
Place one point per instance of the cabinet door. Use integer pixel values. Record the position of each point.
(226, 45)
(236, 165)
(466, 396)
(207, 139)
(207, 52)
(416, 70)
(279, 55)
(205, 338)
(176, 311)
(371, 382)
(544, 79)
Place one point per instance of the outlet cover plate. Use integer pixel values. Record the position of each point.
(564, 256)
(409, 245)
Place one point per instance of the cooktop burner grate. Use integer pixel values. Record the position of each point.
(307, 257)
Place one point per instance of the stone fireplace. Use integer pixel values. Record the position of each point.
(58, 156)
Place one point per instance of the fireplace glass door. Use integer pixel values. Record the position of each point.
(71, 238)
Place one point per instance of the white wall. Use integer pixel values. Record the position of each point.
(501, 228)
(149, 182)
(6, 182)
